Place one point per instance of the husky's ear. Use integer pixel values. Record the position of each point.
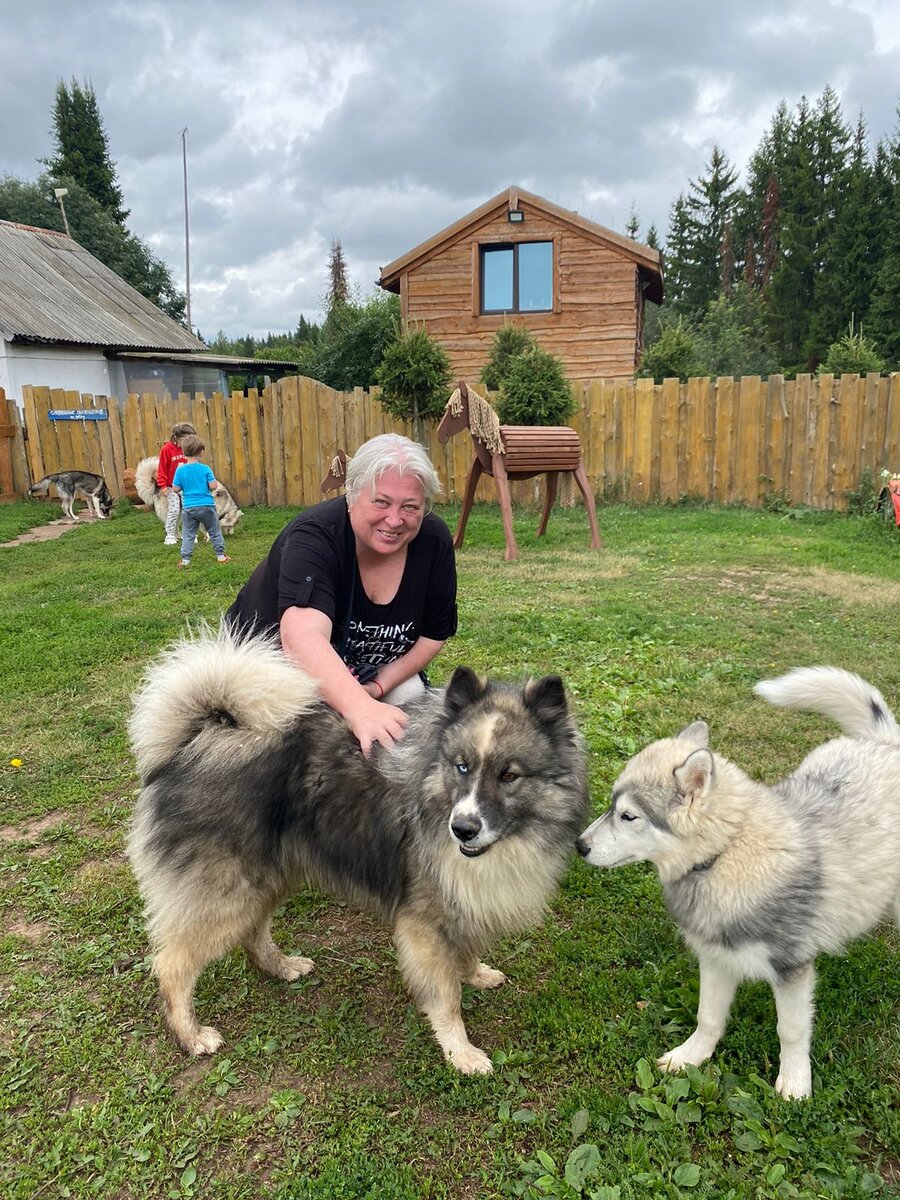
(697, 733)
(463, 689)
(546, 698)
(695, 776)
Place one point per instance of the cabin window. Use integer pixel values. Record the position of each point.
(517, 277)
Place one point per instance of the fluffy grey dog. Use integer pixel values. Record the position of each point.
(252, 786)
(760, 880)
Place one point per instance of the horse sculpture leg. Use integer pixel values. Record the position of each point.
(502, 481)
(585, 485)
(552, 479)
(475, 472)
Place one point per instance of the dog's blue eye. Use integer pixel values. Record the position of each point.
(463, 768)
(627, 817)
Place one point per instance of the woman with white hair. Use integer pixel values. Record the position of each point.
(361, 589)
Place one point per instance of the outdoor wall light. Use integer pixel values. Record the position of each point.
(515, 215)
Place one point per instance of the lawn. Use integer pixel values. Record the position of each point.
(333, 1086)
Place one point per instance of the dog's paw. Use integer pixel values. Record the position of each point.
(294, 966)
(681, 1057)
(206, 1040)
(469, 1060)
(794, 1084)
(486, 977)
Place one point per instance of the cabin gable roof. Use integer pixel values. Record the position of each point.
(648, 260)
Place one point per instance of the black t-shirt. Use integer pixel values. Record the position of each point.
(312, 564)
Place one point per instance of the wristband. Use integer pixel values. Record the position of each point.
(380, 695)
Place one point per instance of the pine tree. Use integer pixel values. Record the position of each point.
(697, 232)
(633, 224)
(884, 325)
(652, 238)
(82, 149)
(338, 294)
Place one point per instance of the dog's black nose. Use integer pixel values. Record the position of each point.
(582, 847)
(466, 828)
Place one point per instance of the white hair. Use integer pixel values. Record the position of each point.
(390, 452)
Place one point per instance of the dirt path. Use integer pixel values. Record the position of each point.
(46, 533)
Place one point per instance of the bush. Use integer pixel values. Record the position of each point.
(732, 338)
(853, 354)
(673, 354)
(415, 378)
(535, 391)
(509, 342)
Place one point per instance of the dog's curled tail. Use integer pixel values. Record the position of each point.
(214, 675)
(859, 709)
(145, 479)
(42, 485)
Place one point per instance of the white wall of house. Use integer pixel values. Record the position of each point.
(67, 367)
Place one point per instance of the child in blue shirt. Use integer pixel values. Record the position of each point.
(195, 483)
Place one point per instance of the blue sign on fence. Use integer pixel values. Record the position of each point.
(78, 414)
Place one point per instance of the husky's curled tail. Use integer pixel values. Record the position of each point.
(859, 709)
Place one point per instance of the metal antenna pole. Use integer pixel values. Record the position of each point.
(187, 238)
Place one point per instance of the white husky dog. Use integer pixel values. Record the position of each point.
(760, 880)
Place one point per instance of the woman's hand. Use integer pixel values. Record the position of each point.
(371, 721)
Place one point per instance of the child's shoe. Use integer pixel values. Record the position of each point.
(222, 558)
(170, 541)
(185, 562)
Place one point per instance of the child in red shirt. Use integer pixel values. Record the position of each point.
(171, 457)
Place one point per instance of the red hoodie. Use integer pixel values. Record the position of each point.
(170, 458)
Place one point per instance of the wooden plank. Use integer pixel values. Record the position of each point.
(668, 435)
(326, 437)
(34, 445)
(868, 426)
(223, 463)
(131, 430)
(22, 478)
(254, 407)
(295, 448)
(844, 444)
(111, 466)
(747, 462)
(821, 405)
(642, 441)
(723, 463)
(891, 455)
(274, 470)
(699, 442)
(240, 470)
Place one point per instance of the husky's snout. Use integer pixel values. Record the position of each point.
(470, 830)
(582, 847)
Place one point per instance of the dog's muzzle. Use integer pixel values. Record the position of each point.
(467, 829)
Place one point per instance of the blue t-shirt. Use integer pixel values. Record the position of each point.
(193, 480)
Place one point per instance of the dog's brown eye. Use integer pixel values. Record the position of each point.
(509, 777)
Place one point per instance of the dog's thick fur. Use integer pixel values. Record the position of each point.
(253, 786)
(152, 495)
(760, 880)
(72, 484)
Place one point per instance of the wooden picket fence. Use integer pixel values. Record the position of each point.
(729, 440)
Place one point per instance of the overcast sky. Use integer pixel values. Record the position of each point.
(380, 123)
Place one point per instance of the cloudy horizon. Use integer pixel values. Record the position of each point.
(379, 124)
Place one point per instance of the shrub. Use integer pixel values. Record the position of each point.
(853, 354)
(509, 342)
(535, 391)
(674, 353)
(415, 378)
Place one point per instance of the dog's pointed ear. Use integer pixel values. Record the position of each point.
(546, 697)
(695, 776)
(697, 733)
(463, 689)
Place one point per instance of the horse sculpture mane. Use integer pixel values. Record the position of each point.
(513, 452)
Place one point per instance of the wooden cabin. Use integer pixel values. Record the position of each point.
(579, 287)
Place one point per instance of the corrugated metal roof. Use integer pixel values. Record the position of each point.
(53, 290)
(210, 359)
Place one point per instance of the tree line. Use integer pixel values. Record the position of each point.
(797, 267)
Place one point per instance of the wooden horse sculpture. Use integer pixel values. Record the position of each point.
(513, 452)
(334, 479)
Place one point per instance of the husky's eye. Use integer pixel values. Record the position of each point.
(626, 816)
(509, 776)
(462, 768)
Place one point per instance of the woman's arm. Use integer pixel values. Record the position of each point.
(305, 637)
(416, 659)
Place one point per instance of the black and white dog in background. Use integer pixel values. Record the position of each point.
(253, 787)
(82, 484)
(761, 880)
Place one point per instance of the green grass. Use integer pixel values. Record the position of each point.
(333, 1087)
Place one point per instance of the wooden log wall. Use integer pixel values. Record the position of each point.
(728, 440)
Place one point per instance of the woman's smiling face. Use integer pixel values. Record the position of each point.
(386, 520)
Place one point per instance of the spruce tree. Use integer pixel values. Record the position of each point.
(697, 234)
(82, 149)
(884, 325)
